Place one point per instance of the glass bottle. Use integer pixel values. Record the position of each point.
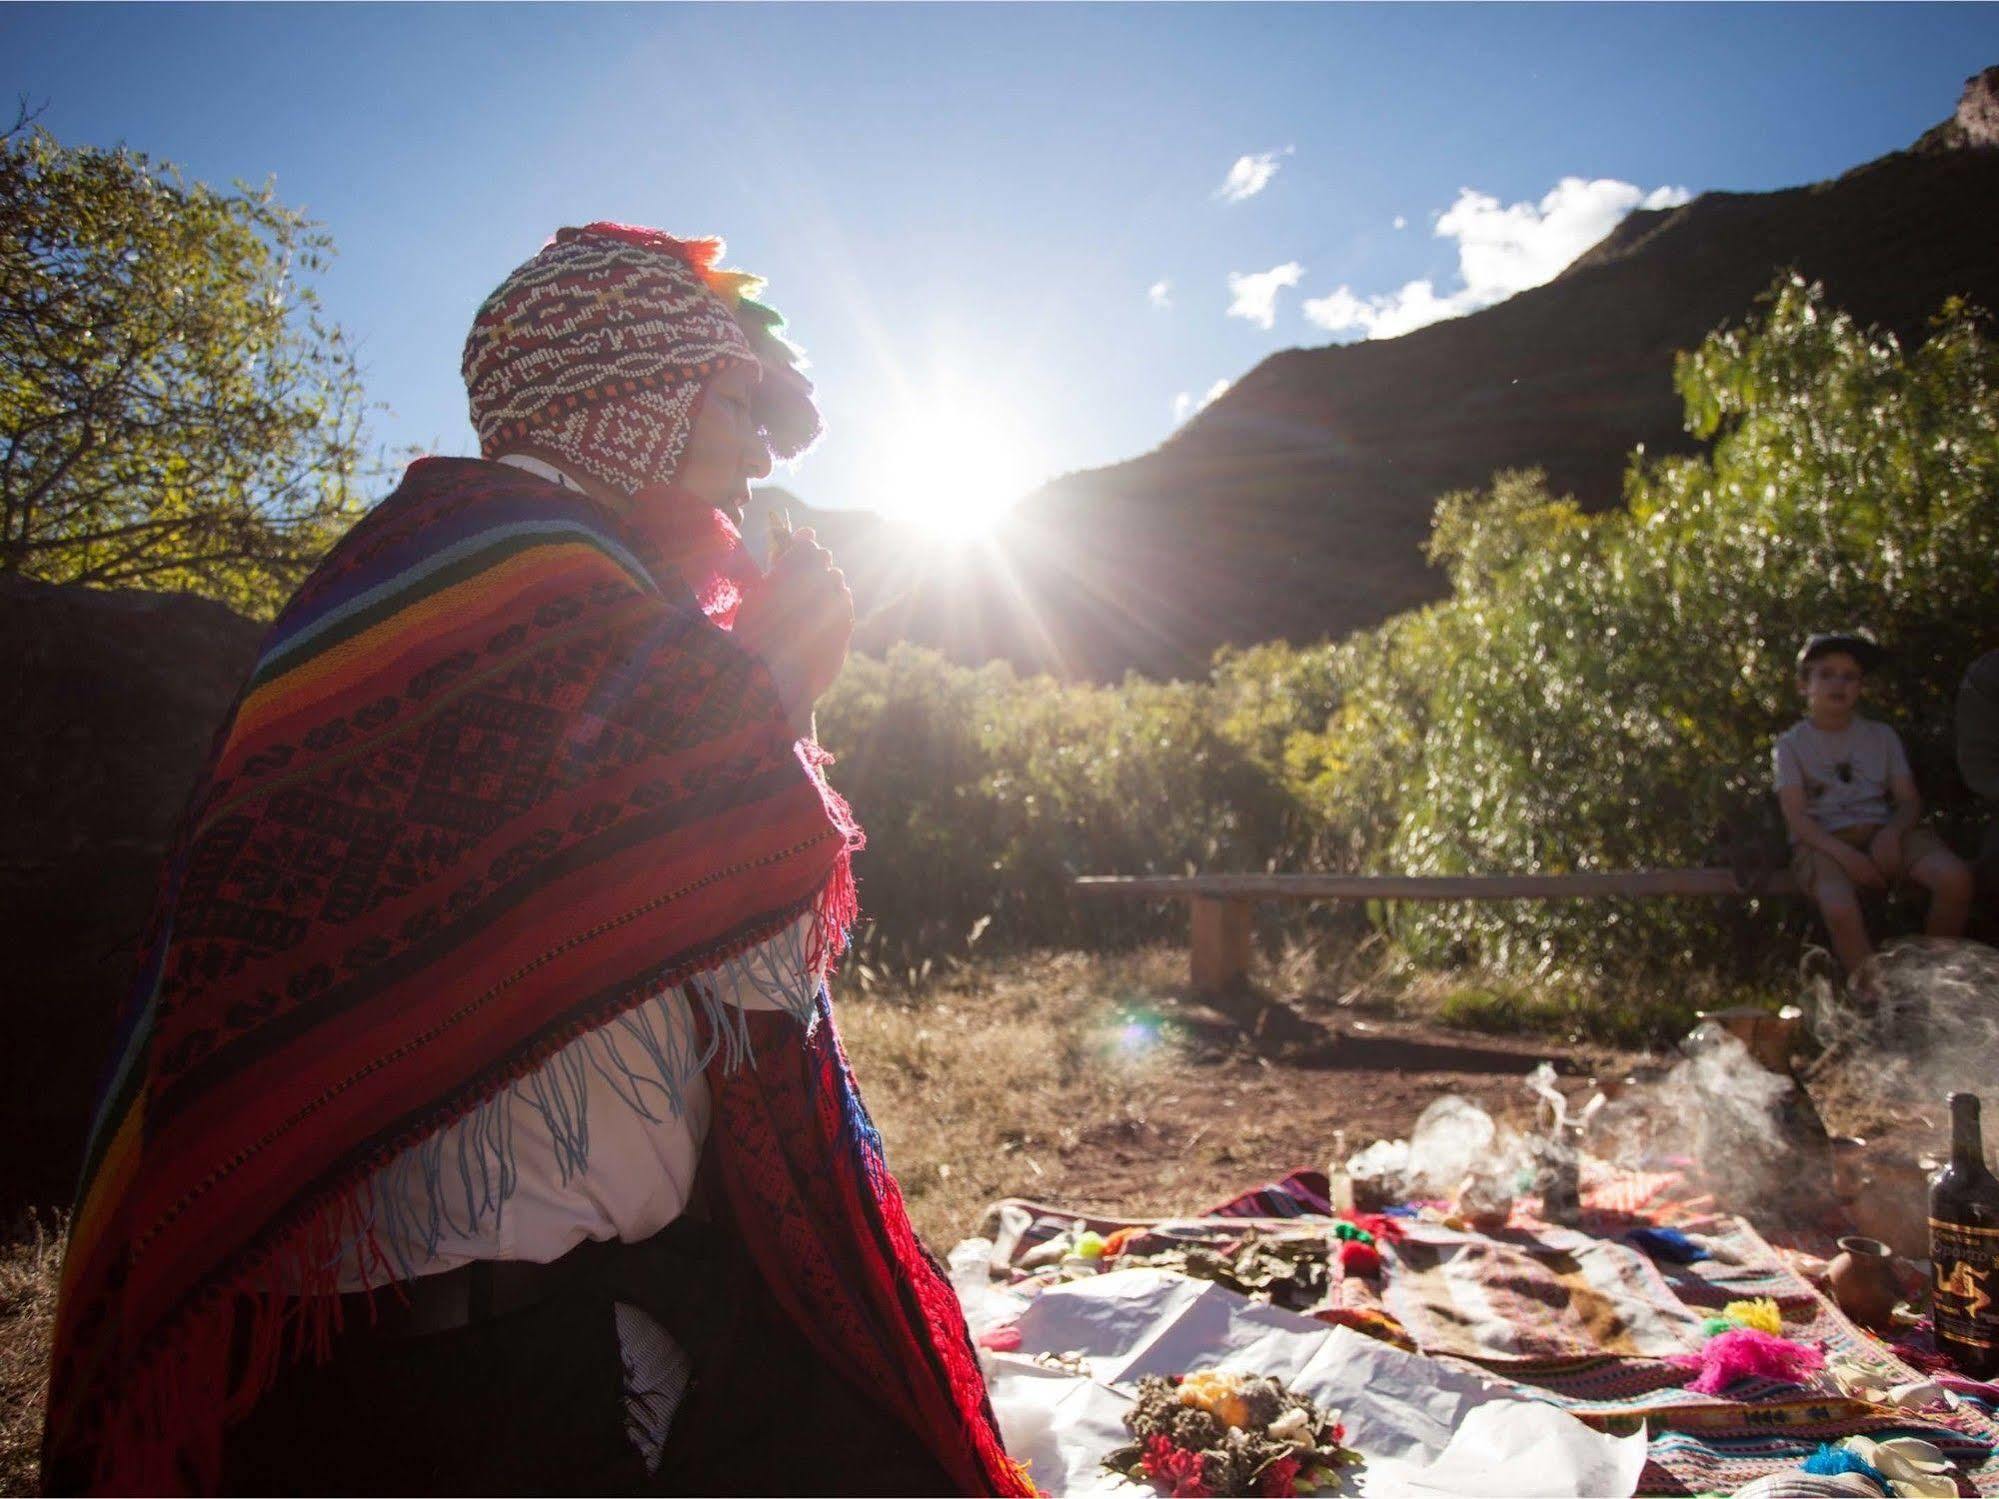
(1964, 1248)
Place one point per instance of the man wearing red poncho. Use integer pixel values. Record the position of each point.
(478, 1121)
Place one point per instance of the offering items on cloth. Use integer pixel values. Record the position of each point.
(1909, 1466)
(1122, 1328)
(1291, 1270)
(1668, 1244)
(1906, 1467)
(1215, 1431)
(1581, 1322)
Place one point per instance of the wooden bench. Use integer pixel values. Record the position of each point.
(1222, 903)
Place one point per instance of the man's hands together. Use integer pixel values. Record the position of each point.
(800, 621)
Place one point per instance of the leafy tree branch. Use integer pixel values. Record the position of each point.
(175, 411)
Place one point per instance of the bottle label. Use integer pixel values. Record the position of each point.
(1964, 1260)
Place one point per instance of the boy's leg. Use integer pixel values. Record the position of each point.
(1932, 865)
(1828, 887)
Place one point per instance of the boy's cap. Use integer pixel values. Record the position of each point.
(1861, 648)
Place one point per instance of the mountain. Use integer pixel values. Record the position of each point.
(1296, 505)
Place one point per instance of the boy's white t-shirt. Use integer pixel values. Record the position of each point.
(1846, 774)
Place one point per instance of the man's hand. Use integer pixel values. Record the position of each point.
(1862, 870)
(1885, 849)
(799, 620)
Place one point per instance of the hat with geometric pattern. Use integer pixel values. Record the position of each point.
(598, 348)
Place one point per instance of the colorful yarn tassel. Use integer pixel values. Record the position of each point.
(1360, 1258)
(1746, 1353)
(1760, 1313)
(1829, 1462)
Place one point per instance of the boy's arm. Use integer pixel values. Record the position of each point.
(1789, 777)
(1908, 802)
(1885, 848)
(1902, 787)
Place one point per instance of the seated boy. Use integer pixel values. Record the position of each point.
(1851, 804)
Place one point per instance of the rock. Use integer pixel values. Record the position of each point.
(106, 715)
(1975, 125)
(1978, 111)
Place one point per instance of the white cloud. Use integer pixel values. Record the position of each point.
(1250, 175)
(1501, 250)
(1255, 293)
(1160, 293)
(1400, 222)
(1184, 405)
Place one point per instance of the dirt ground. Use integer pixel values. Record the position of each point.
(1097, 1084)
(1233, 1119)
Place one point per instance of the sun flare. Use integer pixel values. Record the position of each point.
(954, 470)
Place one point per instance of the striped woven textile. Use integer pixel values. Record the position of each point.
(1587, 1322)
(495, 781)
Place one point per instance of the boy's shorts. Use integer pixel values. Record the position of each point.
(1819, 877)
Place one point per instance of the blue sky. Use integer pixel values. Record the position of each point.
(963, 209)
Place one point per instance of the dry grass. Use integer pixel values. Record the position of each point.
(30, 1259)
(985, 1080)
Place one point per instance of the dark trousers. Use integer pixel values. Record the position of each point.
(533, 1402)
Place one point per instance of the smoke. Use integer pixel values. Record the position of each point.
(1919, 1022)
(1716, 1108)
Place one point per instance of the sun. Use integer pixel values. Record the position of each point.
(954, 468)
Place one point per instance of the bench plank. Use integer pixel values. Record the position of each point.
(1594, 885)
(1221, 903)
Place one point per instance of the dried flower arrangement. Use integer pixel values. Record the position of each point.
(1215, 1432)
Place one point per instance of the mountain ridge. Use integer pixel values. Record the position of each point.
(1296, 505)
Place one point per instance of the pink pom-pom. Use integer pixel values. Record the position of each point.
(701, 252)
(1357, 1258)
(1747, 1353)
(1005, 1339)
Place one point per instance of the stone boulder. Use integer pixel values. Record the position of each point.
(106, 716)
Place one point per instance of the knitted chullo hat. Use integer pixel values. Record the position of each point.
(599, 347)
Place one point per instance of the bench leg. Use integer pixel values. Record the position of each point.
(1221, 944)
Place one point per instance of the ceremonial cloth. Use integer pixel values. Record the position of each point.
(498, 777)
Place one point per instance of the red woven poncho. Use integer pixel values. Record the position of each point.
(495, 780)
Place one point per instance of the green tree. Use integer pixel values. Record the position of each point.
(175, 413)
(1601, 690)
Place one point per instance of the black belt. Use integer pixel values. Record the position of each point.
(686, 1277)
(451, 1299)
